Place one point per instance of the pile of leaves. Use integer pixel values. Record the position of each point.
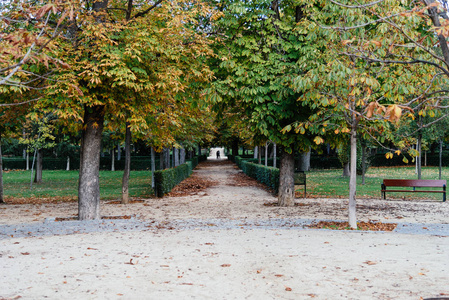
(368, 226)
(271, 204)
(130, 202)
(191, 186)
(61, 219)
(241, 179)
(38, 200)
(214, 163)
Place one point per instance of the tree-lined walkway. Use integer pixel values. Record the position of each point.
(221, 243)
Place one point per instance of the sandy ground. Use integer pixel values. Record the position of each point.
(224, 243)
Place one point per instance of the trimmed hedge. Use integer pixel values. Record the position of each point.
(166, 180)
(266, 175)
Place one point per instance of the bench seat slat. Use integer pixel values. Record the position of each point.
(414, 191)
(414, 182)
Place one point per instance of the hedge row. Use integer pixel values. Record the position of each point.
(266, 175)
(166, 180)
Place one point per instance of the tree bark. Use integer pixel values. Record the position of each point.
(259, 156)
(166, 158)
(286, 195)
(161, 159)
(182, 156)
(256, 151)
(68, 164)
(119, 152)
(266, 154)
(126, 171)
(28, 161)
(38, 174)
(112, 159)
(346, 170)
(304, 161)
(235, 147)
(274, 155)
(2, 200)
(89, 184)
(176, 156)
(353, 177)
(153, 167)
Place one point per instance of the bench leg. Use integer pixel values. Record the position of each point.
(382, 194)
(444, 193)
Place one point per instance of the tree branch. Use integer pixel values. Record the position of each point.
(143, 13)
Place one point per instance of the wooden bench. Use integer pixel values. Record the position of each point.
(414, 183)
(300, 179)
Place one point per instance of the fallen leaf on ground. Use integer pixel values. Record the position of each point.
(226, 265)
(131, 262)
(370, 263)
(288, 289)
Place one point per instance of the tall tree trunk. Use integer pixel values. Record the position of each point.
(286, 195)
(235, 147)
(119, 152)
(27, 161)
(161, 159)
(266, 154)
(176, 156)
(68, 164)
(440, 164)
(353, 177)
(166, 158)
(182, 156)
(38, 174)
(256, 152)
(259, 156)
(112, 159)
(89, 184)
(346, 170)
(274, 155)
(2, 200)
(304, 161)
(126, 171)
(153, 167)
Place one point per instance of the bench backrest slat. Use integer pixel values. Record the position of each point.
(414, 182)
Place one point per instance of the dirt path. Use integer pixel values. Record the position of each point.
(223, 243)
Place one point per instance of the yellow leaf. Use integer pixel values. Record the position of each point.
(318, 140)
(398, 152)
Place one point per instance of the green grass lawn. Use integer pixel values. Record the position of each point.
(330, 183)
(65, 184)
(320, 183)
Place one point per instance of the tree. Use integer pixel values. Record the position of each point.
(128, 61)
(355, 91)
